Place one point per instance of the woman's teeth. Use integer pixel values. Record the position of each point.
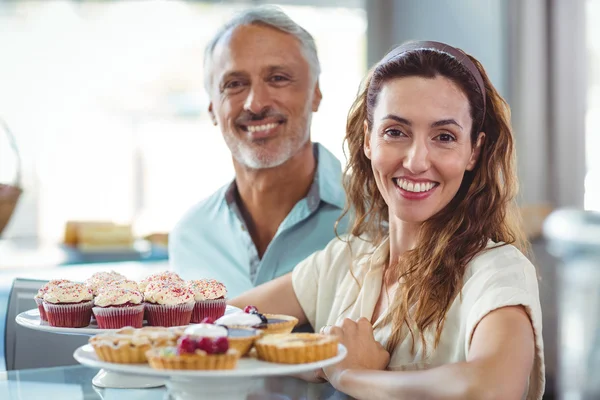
(259, 128)
(414, 187)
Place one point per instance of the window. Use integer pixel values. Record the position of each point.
(107, 103)
(592, 180)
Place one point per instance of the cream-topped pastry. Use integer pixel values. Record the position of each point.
(168, 293)
(207, 289)
(239, 319)
(114, 296)
(68, 292)
(101, 279)
(205, 330)
(164, 276)
(54, 282)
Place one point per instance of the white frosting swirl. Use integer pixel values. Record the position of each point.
(207, 289)
(101, 279)
(205, 330)
(165, 276)
(239, 319)
(114, 296)
(68, 292)
(122, 284)
(54, 282)
(168, 293)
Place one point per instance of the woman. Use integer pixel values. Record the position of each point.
(430, 292)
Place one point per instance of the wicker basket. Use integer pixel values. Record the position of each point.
(9, 193)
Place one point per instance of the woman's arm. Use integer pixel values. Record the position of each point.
(274, 297)
(498, 366)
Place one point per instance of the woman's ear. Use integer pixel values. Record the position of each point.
(367, 141)
(476, 152)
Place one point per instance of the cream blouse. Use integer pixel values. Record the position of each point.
(498, 277)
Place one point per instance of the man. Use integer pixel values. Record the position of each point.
(262, 77)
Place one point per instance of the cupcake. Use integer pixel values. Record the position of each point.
(168, 304)
(129, 345)
(39, 297)
(296, 348)
(165, 276)
(116, 307)
(240, 339)
(251, 318)
(209, 295)
(68, 305)
(102, 279)
(195, 353)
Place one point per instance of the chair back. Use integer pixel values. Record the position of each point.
(26, 348)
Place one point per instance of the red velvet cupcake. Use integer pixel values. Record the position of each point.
(39, 297)
(68, 305)
(168, 304)
(116, 307)
(210, 299)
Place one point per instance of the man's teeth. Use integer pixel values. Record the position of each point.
(414, 187)
(258, 128)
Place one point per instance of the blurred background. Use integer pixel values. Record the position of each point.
(105, 103)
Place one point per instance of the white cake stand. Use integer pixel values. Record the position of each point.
(223, 384)
(104, 378)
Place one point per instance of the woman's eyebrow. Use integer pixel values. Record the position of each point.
(442, 122)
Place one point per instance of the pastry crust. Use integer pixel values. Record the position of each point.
(296, 348)
(129, 345)
(199, 360)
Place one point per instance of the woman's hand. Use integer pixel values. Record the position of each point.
(364, 352)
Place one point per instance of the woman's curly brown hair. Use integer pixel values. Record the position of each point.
(484, 208)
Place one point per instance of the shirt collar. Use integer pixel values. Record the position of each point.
(326, 186)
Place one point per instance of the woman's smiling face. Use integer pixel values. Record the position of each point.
(420, 145)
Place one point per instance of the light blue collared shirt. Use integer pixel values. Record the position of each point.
(212, 241)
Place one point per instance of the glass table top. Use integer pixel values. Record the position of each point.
(75, 383)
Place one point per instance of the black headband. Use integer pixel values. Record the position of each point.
(457, 54)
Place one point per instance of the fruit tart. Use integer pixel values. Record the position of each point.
(196, 353)
(240, 339)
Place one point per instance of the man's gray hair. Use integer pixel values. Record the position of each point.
(269, 16)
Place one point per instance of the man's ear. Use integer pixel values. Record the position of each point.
(476, 152)
(317, 97)
(367, 141)
(213, 118)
